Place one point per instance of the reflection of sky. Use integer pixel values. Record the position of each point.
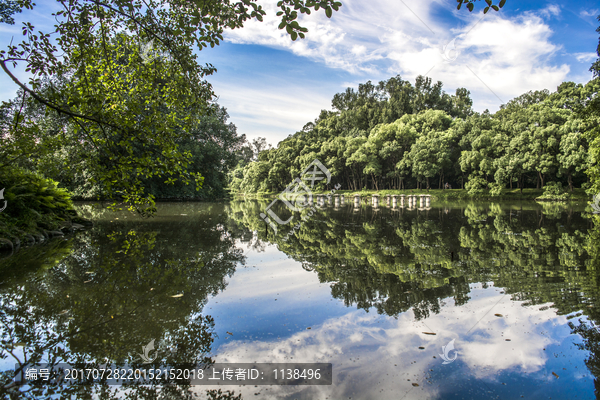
(508, 355)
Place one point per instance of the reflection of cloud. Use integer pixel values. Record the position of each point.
(379, 357)
(277, 276)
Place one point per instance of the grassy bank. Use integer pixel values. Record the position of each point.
(446, 194)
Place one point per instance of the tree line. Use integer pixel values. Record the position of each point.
(395, 135)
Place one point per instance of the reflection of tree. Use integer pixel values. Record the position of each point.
(122, 285)
(395, 260)
(589, 328)
(399, 260)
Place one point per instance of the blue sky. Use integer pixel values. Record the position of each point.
(272, 86)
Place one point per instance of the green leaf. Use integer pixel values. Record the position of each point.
(489, 2)
(470, 6)
(328, 12)
(289, 29)
(502, 3)
(485, 10)
(495, 8)
(294, 35)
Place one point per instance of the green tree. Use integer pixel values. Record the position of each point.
(130, 101)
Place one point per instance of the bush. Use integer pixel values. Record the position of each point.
(476, 185)
(32, 202)
(553, 191)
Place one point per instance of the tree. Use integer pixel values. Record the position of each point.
(127, 104)
(430, 154)
(7, 9)
(591, 113)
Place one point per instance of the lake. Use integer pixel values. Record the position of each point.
(460, 300)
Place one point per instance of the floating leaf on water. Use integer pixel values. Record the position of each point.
(88, 272)
(421, 347)
(415, 384)
(507, 340)
(498, 315)
(309, 327)
(555, 374)
(178, 295)
(87, 281)
(429, 333)
(229, 333)
(64, 311)
(20, 344)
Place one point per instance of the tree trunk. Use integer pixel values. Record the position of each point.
(570, 181)
(537, 182)
(521, 183)
(427, 183)
(541, 179)
(511, 182)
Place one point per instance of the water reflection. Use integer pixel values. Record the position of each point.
(449, 270)
(382, 290)
(394, 260)
(121, 285)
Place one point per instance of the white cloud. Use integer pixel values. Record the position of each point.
(590, 13)
(586, 57)
(552, 10)
(281, 109)
(387, 37)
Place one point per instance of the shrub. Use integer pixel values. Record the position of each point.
(32, 202)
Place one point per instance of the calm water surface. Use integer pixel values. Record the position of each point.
(512, 287)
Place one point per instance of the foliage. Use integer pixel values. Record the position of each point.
(471, 6)
(7, 9)
(124, 74)
(398, 136)
(553, 191)
(32, 203)
(591, 114)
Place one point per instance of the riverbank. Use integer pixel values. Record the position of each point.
(445, 194)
